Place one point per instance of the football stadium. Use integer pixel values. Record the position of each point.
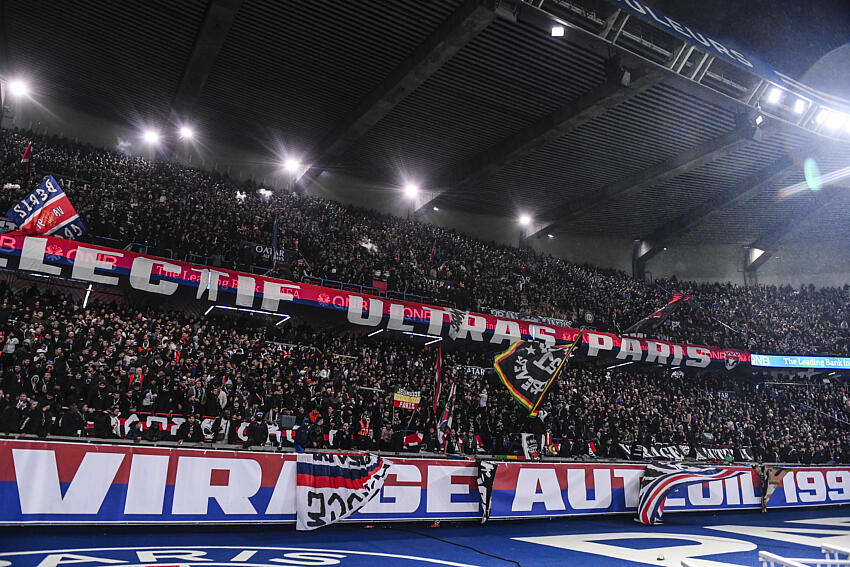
(424, 282)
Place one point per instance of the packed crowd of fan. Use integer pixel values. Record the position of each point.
(169, 206)
(73, 371)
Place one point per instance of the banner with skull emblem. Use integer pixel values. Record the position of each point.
(529, 368)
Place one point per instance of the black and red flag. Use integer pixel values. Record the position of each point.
(653, 321)
(25, 159)
(529, 368)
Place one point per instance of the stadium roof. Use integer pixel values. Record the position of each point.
(480, 99)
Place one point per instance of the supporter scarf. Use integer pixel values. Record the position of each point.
(660, 479)
(331, 487)
(529, 368)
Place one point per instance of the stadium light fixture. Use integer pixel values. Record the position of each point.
(436, 208)
(822, 116)
(292, 164)
(524, 220)
(150, 136)
(411, 190)
(186, 132)
(774, 95)
(759, 120)
(558, 31)
(835, 120)
(800, 106)
(18, 88)
(550, 235)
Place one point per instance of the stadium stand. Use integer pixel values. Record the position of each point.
(185, 213)
(82, 372)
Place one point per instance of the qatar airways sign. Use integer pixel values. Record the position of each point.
(163, 277)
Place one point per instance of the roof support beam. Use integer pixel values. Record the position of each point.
(214, 29)
(766, 245)
(472, 17)
(668, 169)
(694, 217)
(592, 104)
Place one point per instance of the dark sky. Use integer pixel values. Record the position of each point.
(793, 36)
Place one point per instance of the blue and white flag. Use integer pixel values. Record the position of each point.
(47, 211)
(330, 487)
(660, 479)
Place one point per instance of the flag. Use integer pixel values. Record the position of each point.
(660, 479)
(446, 419)
(406, 399)
(654, 320)
(412, 440)
(486, 475)
(331, 487)
(47, 210)
(771, 478)
(529, 368)
(25, 159)
(433, 252)
(437, 377)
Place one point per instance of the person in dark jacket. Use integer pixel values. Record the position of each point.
(344, 439)
(257, 432)
(302, 435)
(190, 430)
(317, 434)
(153, 433)
(135, 432)
(71, 422)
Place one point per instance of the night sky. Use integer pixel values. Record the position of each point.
(792, 36)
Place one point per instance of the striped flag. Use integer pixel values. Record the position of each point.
(446, 419)
(437, 377)
(331, 487)
(47, 210)
(660, 479)
(25, 159)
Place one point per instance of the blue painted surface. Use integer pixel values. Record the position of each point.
(465, 544)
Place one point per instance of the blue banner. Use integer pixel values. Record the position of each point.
(786, 361)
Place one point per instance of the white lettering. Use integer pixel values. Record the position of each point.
(811, 486)
(273, 294)
(86, 262)
(140, 276)
(597, 342)
(630, 348)
(181, 554)
(38, 482)
(55, 559)
(527, 484)
(441, 488)
(506, 331)
(577, 489)
(546, 334)
(657, 352)
(701, 356)
(397, 499)
(436, 318)
(193, 485)
(696, 493)
(245, 289)
(146, 486)
(283, 497)
(396, 322)
(355, 311)
(32, 257)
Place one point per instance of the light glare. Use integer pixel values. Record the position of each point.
(292, 164)
(774, 95)
(436, 208)
(835, 119)
(411, 190)
(524, 220)
(18, 88)
(800, 106)
(186, 132)
(557, 31)
(151, 136)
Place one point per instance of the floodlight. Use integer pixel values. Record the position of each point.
(800, 106)
(186, 132)
(18, 88)
(835, 119)
(557, 31)
(524, 220)
(550, 235)
(436, 208)
(759, 120)
(150, 136)
(292, 165)
(773, 95)
(411, 190)
(822, 116)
